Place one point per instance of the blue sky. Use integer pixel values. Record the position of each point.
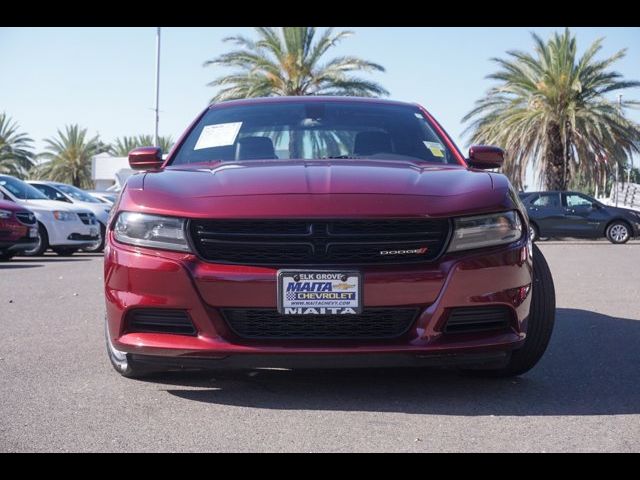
(103, 78)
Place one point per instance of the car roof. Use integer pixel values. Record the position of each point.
(310, 99)
(46, 182)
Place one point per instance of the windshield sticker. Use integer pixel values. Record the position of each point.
(219, 135)
(435, 148)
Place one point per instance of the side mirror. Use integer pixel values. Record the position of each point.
(145, 158)
(485, 157)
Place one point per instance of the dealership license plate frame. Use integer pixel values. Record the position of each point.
(282, 274)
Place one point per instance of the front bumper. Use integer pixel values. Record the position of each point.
(146, 278)
(20, 245)
(72, 233)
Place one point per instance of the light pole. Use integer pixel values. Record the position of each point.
(617, 162)
(155, 135)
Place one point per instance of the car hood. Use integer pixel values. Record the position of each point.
(317, 177)
(12, 207)
(100, 210)
(49, 206)
(624, 211)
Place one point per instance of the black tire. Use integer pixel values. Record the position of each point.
(122, 362)
(540, 325)
(64, 251)
(43, 243)
(6, 256)
(533, 232)
(618, 232)
(99, 247)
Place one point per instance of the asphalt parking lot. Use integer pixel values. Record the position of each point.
(59, 393)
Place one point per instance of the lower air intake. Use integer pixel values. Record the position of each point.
(478, 319)
(160, 321)
(372, 323)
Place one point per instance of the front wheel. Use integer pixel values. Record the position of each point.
(540, 324)
(42, 245)
(122, 362)
(533, 232)
(98, 246)
(618, 232)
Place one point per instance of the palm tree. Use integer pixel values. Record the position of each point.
(69, 157)
(552, 109)
(123, 145)
(16, 154)
(165, 143)
(288, 61)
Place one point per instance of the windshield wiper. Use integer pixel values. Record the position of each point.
(340, 157)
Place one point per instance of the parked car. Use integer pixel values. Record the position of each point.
(71, 194)
(319, 231)
(574, 214)
(105, 197)
(62, 227)
(18, 230)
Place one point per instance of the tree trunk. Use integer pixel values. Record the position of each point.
(557, 169)
(295, 144)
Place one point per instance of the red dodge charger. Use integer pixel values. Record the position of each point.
(322, 232)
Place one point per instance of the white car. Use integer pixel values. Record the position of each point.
(63, 192)
(105, 197)
(62, 227)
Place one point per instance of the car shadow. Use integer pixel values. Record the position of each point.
(8, 266)
(590, 368)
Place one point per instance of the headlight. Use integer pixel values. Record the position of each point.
(485, 231)
(6, 214)
(151, 231)
(64, 216)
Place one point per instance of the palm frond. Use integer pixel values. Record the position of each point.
(551, 110)
(287, 61)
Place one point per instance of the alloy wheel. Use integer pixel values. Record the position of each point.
(619, 233)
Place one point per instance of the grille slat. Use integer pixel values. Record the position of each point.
(326, 242)
(86, 218)
(26, 218)
(371, 324)
(476, 319)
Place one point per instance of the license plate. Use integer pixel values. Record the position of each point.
(319, 292)
(33, 233)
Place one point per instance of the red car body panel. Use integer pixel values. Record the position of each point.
(14, 234)
(138, 277)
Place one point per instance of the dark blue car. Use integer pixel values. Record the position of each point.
(574, 214)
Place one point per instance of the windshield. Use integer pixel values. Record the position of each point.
(313, 130)
(20, 189)
(76, 193)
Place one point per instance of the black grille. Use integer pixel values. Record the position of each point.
(159, 321)
(374, 323)
(87, 218)
(26, 218)
(477, 319)
(81, 237)
(330, 242)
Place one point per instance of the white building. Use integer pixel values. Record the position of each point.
(109, 173)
